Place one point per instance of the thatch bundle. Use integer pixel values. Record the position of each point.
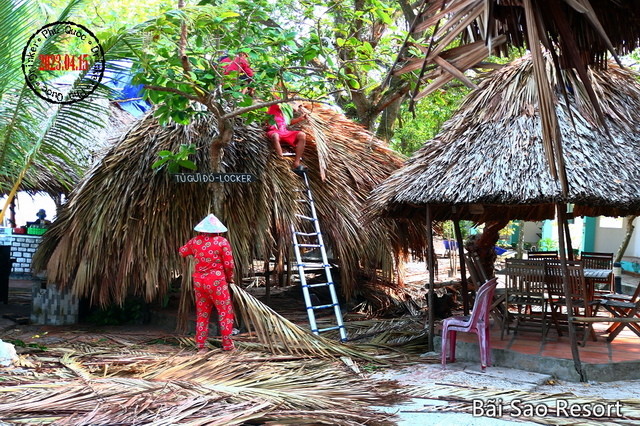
(121, 229)
(490, 153)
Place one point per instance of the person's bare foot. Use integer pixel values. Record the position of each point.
(202, 351)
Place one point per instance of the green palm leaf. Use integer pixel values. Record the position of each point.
(34, 132)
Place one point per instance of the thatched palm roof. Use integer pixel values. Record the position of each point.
(121, 229)
(491, 153)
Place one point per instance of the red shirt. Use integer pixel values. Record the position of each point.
(239, 63)
(212, 254)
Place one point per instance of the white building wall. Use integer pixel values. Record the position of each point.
(609, 235)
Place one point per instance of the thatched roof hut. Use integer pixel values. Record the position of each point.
(489, 162)
(121, 229)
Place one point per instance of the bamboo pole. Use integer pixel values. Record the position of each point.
(463, 269)
(267, 276)
(430, 264)
(561, 210)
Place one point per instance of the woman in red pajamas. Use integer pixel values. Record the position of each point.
(213, 270)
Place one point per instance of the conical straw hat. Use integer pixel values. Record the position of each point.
(210, 224)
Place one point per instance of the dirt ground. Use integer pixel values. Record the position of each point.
(436, 396)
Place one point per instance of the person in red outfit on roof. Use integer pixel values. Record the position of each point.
(239, 64)
(279, 134)
(213, 271)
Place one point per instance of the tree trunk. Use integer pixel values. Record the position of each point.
(627, 238)
(520, 245)
(388, 120)
(485, 245)
(218, 144)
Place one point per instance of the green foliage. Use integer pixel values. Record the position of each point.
(546, 244)
(214, 30)
(173, 162)
(448, 231)
(506, 233)
(431, 113)
(32, 130)
(22, 344)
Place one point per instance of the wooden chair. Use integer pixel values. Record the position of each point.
(541, 255)
(525, 289)
(580, 300)
(624, 307)
(477, 322)
(498, 309)
(595, 260)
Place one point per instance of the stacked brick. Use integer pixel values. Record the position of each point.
(22, 249)
(51, 306)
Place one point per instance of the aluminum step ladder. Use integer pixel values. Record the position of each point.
(316, 235)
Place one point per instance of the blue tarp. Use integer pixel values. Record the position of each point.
(120, 81)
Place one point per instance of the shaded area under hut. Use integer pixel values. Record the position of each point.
(489, 165)
(120, 230)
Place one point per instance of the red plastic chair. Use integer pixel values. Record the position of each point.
(477, 322)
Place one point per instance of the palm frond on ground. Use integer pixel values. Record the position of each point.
(165, 386)
(279, 335)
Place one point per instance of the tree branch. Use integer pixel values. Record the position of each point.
(259, 105)
(182, 45)
(176, 91)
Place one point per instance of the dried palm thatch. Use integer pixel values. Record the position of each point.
(162, 387)
(488, 160)
(578, 33)
(281, 336)
(121, 229)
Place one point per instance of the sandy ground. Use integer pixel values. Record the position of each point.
(499, 381)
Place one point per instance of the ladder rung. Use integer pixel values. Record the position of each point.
(316, 265)
(307, 234)
(317, 285)
(331, 305)
(306, 217)
(308, 245)
(337, 327)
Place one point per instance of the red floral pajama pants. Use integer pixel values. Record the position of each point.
(211, 292)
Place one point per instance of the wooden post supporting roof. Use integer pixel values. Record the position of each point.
(430, 265)
(561, 209)
(463, 270)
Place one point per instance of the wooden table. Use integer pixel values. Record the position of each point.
(594, 274)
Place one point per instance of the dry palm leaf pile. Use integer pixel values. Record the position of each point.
(131, 379)
(126, 377)
(120, 230)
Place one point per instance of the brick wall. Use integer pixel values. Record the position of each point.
(22, 249)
